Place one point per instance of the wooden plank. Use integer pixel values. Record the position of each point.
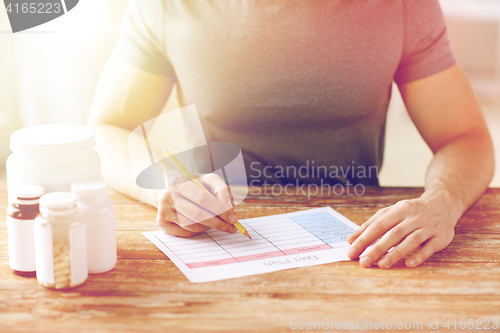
(218, 312)
(150, 276)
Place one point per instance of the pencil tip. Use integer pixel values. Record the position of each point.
(247, 234)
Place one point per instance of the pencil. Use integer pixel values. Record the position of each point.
(188, 174)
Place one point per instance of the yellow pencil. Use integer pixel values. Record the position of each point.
(188, 174)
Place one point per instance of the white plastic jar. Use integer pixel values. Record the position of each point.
(53, 156)
(98, 213)
(60, 242)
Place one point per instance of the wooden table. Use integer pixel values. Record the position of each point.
(147, 292)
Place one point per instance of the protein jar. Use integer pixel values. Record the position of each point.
(53, 156)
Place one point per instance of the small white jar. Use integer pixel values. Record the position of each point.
(60, 242)
(98, 213)
(53, 156)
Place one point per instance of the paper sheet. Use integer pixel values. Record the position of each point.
(305, 238)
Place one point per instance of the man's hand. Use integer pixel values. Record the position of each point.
(186, 209)
(447, 115)
(405, 226)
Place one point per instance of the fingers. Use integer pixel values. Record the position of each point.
(200, 205)
(194, 209)
(190, 225)
(221, 191)
(432, 246)
(196, 203)
(190, 213)
(173, 229)
(390, 239)
(410, 243)
(352, 237)
(394, 232)
(166, 211)
(217, 187)
(374, 231)
(167, 215)
(170, 221)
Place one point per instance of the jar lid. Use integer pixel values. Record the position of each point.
(94, 189)
(58, 200)
(29, 192)
(52, 139)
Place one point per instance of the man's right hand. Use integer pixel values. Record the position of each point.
(186, 209)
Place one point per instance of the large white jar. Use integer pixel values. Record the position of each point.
(53, 156)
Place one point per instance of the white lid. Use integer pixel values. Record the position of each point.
(58, 200)
(95, 189)
(29, 191)
(51, 139)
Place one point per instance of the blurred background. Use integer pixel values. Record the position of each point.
(49, 73)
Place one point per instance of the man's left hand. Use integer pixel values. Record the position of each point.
(405, 226)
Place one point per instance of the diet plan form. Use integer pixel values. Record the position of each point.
(305, 238)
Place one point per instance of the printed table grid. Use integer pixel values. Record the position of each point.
(279, 237)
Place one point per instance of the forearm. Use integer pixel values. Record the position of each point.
(112, 147)
(447, 115)
(460, 172)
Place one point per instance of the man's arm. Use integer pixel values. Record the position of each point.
(447, 115)
(126, 97)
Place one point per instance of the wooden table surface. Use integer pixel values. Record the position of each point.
(147, 292)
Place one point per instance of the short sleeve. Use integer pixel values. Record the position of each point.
(426, 48)
(141, 41)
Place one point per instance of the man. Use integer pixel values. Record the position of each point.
(298, 81)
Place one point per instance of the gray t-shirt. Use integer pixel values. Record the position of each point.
(294, 83)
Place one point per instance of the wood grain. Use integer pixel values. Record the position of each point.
(147, 292)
